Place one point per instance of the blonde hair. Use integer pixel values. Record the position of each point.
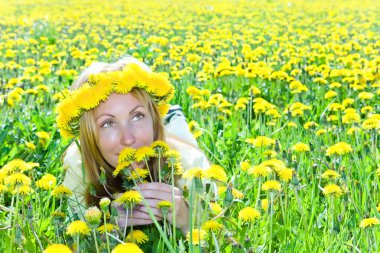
(93, 160)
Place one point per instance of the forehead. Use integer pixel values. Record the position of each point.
(118, 103)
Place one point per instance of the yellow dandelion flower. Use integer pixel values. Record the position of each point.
(261, 141)
(259, 171)
(235, 193)
(335, 85)
(265, 204)
(129, 197)
(61, 191)
(47, 182)
(178, 169)
(107, 228)
(172, 156)
(127, 248)
(378, 208)
(320, 132)
(330, 174)
(22, 190)
(163, 109)
(18, 165)
(291, 124)
(248, 214)
(286, 174)
(138, 173)
(198, 236)
(271, 185)
(58, 214)
(330, 94)
(370, 124)
(127, 155)
(137, 236)
(30, 145)
(17, 179)
(193, 91)
(160, 147)
(194, 173)
(78, 227)
(295, 113)
(270, 153)
(43, 136)
(369, 222)
(320, 80)
(215, 208)
(332, 189)
(336, 107)
(350, 110)
(120, 166)
(301, 147)
(353, 130)
(3, 188)
(216, 172)
(164, 204)
(374, 116)
(245, 165)
(195, 129)
(144, 153)
(365, 95)
(332, 118)
(349, 118)
(57, 248)
(366, 109)
(274, 164)
(340, 148)
(310, 125)
(212, 225)
(348, 101)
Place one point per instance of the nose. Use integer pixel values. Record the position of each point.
(127, 136)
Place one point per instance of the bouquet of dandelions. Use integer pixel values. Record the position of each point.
(164, 165)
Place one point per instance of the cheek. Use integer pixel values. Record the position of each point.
(107, 140)
(146, 133)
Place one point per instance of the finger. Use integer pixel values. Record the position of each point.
(155, 211)
(159, 187)
(153, 203)
(134, 222)
(159, 195)
(142, 214)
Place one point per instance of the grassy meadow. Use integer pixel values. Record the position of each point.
(282, 96)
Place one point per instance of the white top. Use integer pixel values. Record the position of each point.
(76, 181)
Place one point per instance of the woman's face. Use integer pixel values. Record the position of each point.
(122, 121)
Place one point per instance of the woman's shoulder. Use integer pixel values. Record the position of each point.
(191, 156)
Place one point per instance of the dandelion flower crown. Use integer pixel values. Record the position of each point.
(98, 88)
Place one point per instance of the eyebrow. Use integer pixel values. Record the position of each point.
(107, 114)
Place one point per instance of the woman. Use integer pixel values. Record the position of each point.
(114, 106)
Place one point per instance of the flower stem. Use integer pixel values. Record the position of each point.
(173, 208)
(105, 229)
(96, 240)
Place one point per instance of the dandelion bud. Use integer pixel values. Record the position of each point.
(102, 178)
(229, 196)
(93, 216)
(185, 192)
(104, 203)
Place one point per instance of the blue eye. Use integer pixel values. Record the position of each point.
(138, 116)
(108, 123)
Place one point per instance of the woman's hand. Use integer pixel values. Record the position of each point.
(135, 217)
(154, 193)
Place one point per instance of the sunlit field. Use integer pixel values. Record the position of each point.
(283, 98)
